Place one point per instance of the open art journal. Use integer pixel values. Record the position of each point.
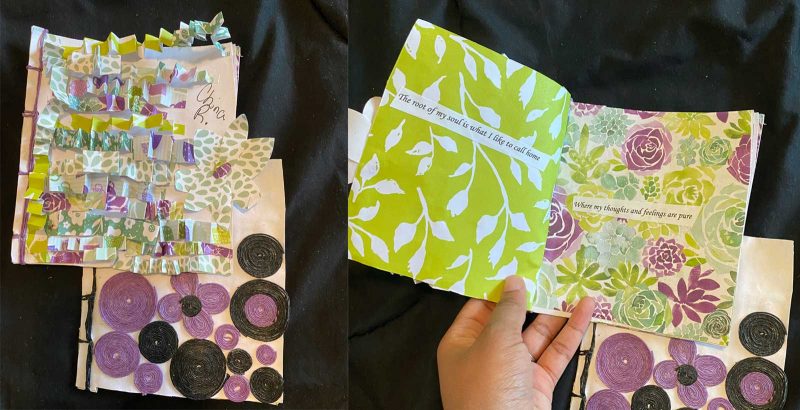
(135, 166)
(476, 168)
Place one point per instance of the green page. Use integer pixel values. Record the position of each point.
(457, 174)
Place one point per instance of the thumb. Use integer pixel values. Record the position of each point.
(509, 315)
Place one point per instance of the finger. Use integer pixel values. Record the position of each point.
(509, 314)
(538, 335)
(557, 355)
(469, 322)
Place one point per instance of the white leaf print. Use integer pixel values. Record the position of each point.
(461, 170)
(424, 24)
(491, 71)
(446, 142)
(526, 91)
(529, 246)
(535, 114)
(424, 165)
(385, 97)
(403, 234)
(379, 248)
(528, 141)
(530, 286)
(412, 42)
(432, 92)
(535, 176)
(358, 242)
(439, 47)
(370, 169)
(543, 204)
(469, 62)
(519, 222)
(422, 148)
(355, 188)
(458, 287)
(490, 116)
(459, 261)
(398, 80)
(388, 186)
(560, 94)
(367, 213)
(486, 225)
(555, 127)
(394, 136)
(506, 271)
(440, 230)
(511, 67)
(516, 171)
(497, 250)
(458, 202)
(416, 261)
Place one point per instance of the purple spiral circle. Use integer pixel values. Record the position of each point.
(266, 355)
(214, 297)
(116, 354)
(237, 388)
(148, 378)
(757, 388)
(226, 336)
(607, 399)
(261, 310)
(720, 404)
(624, 363)
(127, 302)
(169, 308)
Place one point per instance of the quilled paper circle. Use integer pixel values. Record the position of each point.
(197, 369)
(720, 403)
(266, 355)
(650, 398)
(127, 302)
(237, 389)
(757, 388)
(116, 354)
(158, 341)
(762, 333)
(607, 399)
(260, 255)
(148, 378)
(240, 317)
(624, 363)
(739, 374)
(266, 384)
(239, 361)
(261, 310)
(226, 336)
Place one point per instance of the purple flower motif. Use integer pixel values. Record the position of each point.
(583, 109)
(565, 232)
(569, 308)
(602, 308)
(70, 257)
(664, 257)
(222, 170)
(647, 148)
(739, 163)
(691, 299)
(722, 116)
(54, 201)
(690, 372)
(643, 114)
(193, 302)
(77, 87)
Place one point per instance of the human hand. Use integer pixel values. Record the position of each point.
(486, 360)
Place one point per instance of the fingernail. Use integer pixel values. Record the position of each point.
(513, 283)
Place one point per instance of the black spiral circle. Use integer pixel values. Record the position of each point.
(733, 383)
(197, 369)
(266, 384)
(260, 255)
(158, 341)
(239, 318)
(650, 397)
(762, 333)
(239, 361)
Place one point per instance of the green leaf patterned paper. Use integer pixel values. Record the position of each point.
(648, 214)
(458, 170)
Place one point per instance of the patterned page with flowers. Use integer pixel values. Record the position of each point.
(624, 369)
(648, 215)
(458, 169)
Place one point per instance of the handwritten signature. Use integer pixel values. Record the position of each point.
(206, 97)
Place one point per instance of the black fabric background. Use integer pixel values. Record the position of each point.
(667, 56)
(293, 87)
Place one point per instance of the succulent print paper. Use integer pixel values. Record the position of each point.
(446, 208)
(621, 367)
(655, 272)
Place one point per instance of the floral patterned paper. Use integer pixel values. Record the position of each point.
(660, 277)
(430, 203)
